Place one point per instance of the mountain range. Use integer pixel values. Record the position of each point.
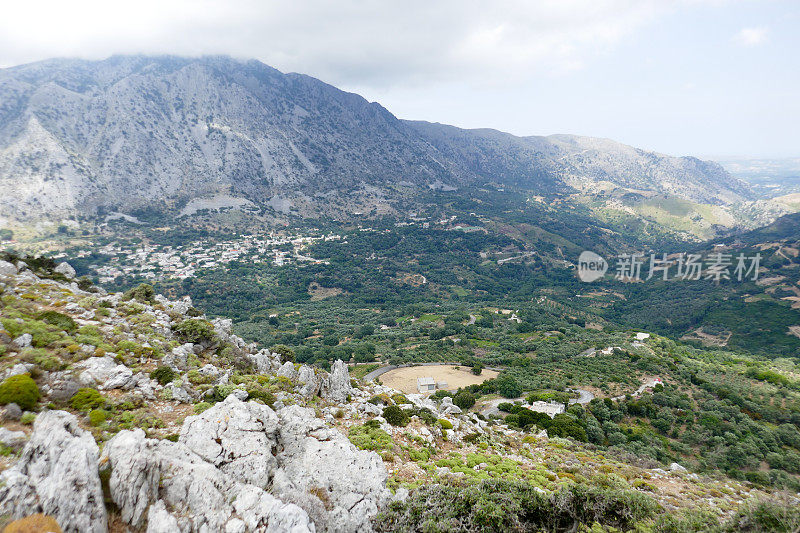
(79, 138)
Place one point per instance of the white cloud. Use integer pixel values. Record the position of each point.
(752, 36)
(351, 42)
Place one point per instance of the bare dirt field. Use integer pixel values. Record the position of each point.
(405, 379)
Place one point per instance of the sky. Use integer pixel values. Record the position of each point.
(713, 78)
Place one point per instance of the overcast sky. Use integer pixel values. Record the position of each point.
(703, 77)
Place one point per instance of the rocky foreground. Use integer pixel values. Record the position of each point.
(131, 412)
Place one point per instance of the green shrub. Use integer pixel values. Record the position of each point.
(21, 390)
(59, 320)
(28, 419)
(286, 353)
(200, 407)
(163, 375)
(87, 399)
(426, 415)
(97, 417)
(500, 505)
(144, 293)
(195, 331)
(464, 399)
(265, 396)
(446, 424)
(477, 369)
(395, 415)
(400, 398)
(370, 437)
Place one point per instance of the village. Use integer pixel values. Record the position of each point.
(157, 262)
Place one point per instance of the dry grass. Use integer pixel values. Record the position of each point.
(405, 379)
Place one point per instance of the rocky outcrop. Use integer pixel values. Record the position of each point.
(7, 269)
(265, 362)
(336, 387)
(309, 380)
(66, 270)
(321, 461)
(57, 475)
(214, 478)
(238, 438)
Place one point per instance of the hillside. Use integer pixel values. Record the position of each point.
(138, 134)
(149, 417)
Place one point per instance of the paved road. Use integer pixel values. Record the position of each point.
(490, 408)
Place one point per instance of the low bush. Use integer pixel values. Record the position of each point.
(395, 415)
(59, 320)
(370, 437)
(514, 506)
(200, 407)
(195, 331)
(21, 390)
(87, 399)
(144, 293)
(163, 375)
(97, 417)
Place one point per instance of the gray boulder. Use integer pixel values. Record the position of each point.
(336, 387)
(56, 475)
(96, 370)
(24, 340)
(265, 362)
(66, 269)
(160, 521)
(7, 269)
(288, 370)
(176, 359)
(316, 457)
(238, 438)
(62, 387)
(167, 481)
(177, 393)
(13, 439)
(19, 368)
(12, 411)
(310, 380)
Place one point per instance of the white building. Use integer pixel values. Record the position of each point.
(426, 385)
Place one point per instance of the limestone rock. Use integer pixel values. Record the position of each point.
(336, 387)
(12, 411)
(265, 362)
(159, 520)
(288, 370)
(178, 393)
(258, 508)
(16, 370)
(12, 439)
(57, 475)
(317, 457)
(7, 269)
(24, 340)
(310, 380)
(176, 359)
(237, 437)
(66, 269)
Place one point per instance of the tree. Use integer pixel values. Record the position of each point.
(464, 399)
(286, 353)
(508, 386)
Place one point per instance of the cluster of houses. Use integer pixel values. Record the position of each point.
(180, 262)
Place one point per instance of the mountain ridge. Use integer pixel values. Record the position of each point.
(128, 132)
